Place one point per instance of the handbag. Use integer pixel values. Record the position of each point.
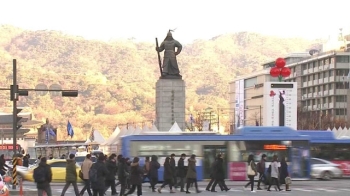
(288, 180)
(251, 172)
(81, 175)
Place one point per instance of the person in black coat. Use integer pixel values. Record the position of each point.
(284, 173)
(153, 172)
(25, 161)
(45, 185)
(112, 171)
(136, 176)
(99, 187)
(168, 176)
(173, 167)
(181, 172)
(122, 174)
(219, 175)
(212, 176)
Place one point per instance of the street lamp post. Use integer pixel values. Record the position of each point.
(15, 92)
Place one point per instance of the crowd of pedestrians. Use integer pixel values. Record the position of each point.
(98, 177)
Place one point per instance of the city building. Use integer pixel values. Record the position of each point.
(323, 81)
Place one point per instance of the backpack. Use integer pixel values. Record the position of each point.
(39, 174)
(93, 173)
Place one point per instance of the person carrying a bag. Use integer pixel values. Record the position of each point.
(252, 172)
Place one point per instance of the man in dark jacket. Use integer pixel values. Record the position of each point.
(44, 185)
(25, 161)
(71, 175)
(181, 172)
(153, 172)
(212, 175)
(99, 186)
(112, 172)
(261, 170)
(122, 174)
(173, 168)
(219, 175)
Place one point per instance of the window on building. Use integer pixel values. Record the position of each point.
(325, 87)
(250, 82)
(341, 112)
(329, 99)
(304, 78)
(325, 74)
(331, 60)
(326, 61)
(342, 72)
(313, 76)
(342, 85)
(320, 62)
(341, 98)
(330, 86)
(342, 59)
(324, 100)
(304, 103)
(303, 91)
(304, 67)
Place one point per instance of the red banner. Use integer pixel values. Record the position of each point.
(237, 171)
(344, 166)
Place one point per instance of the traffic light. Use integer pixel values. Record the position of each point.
(19, 119)
(69, 93)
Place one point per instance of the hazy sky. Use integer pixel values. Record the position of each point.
(194, 19)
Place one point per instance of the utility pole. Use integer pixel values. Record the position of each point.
(15, 92)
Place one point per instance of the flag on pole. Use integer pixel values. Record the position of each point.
(47, 136)
(52, 132)
(191, 118)
(70, 129)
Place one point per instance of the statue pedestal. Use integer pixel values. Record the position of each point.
(170, 103)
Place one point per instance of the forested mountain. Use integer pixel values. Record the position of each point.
(116, 80)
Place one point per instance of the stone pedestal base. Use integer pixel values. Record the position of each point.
(170, 103)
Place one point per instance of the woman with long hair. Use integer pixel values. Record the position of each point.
(252, 172)
(284, 173)
(274, 173)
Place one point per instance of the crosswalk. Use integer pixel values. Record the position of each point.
(234, 189)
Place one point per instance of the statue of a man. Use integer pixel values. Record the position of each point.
(170, 66)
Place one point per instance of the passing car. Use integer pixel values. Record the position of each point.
(325, 170)
(58, 168)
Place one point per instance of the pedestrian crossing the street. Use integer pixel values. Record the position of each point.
(234, 189)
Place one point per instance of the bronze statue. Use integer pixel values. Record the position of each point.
(170, 68)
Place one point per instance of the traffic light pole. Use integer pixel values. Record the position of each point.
(15, 92)
(14, 96)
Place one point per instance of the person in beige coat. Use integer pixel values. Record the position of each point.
(85, 168)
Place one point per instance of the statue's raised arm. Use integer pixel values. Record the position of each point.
(171, 48)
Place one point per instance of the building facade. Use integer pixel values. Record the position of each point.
(322, 79)
(246, 100)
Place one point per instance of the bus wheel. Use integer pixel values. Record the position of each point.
(327, 175)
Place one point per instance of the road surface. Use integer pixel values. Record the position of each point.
(304, 188)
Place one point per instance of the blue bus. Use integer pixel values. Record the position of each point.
(235, 149)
